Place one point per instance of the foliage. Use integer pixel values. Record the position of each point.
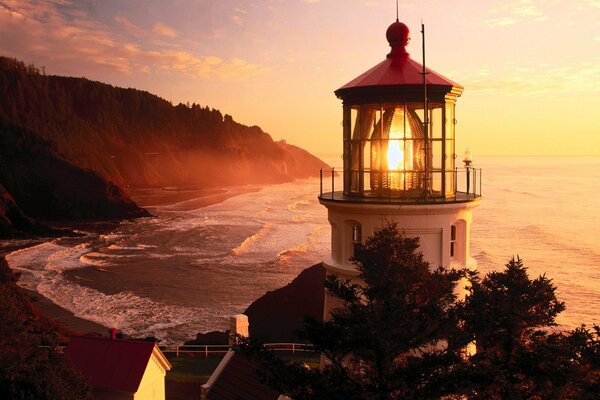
(132, 137)
(389, 337)
(400, 333)
(509, 316)
(28, 370)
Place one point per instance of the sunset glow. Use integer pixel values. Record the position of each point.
(531, 69)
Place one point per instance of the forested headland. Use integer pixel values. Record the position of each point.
(68, 144)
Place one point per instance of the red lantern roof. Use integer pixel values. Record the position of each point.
(398, 69)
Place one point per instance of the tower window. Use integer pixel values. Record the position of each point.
(356, 237)
(452, 240)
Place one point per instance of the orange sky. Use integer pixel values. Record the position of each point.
(531, 69)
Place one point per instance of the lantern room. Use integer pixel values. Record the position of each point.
(400, 163)
(398, 129)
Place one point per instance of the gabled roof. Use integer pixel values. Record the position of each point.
(234, 379)
(113, 364)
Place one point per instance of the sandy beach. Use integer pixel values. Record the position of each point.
(185, 199)
(64, 317)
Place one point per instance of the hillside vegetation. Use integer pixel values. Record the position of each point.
(69, 146)
(135, 138)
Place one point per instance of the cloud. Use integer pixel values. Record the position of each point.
(510, 12)
(311, 1)
(503, 21)
(593, 3)
(129, 26)
(528, 80)
(238, 20)
(68, 41)
(527, 9)
(164, 29)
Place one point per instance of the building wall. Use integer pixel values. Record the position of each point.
(103, 394)
(152, 386)
(432, 223)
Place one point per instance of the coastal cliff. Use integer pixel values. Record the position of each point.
(70, 148)
(136, 139)
(36, 182)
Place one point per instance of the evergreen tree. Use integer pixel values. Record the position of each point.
(30, 367)
(400, 333)
(518, 357)
(391, 337)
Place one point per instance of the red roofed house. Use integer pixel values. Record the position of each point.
(234, 377)
(120, 369)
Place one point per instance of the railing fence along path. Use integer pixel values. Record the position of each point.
(221, 349)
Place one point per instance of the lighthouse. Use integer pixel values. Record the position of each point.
(400, 164)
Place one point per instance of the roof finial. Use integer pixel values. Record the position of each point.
(397, 20)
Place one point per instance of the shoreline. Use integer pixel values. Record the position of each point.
(171, 199)
(64, 317)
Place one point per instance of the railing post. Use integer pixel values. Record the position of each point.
(455, 180)
(205, 351)
(321, 182)
(468, 181)
(332, 181)
(293, 348)
(177, 350)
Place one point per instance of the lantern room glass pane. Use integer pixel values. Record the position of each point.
(450, 155)
(385, 151)
(437, 155)
(450, 184)
(450, 120)
(436, 122)
(436, 183)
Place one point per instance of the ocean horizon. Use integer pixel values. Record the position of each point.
(190, 267)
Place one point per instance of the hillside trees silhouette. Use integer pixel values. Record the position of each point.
(30, 365)
(135, 138)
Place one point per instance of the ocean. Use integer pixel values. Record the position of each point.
(189, 268)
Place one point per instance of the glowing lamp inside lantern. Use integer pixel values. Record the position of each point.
(399, 149)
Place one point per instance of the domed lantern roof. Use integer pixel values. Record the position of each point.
(399, 129)
(382, 82)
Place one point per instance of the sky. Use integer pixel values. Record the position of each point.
(531, 69)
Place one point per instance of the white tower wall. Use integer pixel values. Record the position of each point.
(432, 223)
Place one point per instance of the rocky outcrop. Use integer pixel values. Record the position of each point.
(38, 183)
(278, 314)
(12, 220)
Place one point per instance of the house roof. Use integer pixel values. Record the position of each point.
(113, 364)
(234, 379)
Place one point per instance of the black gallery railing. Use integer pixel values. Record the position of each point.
(392, 185)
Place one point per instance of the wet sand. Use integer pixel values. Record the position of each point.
(64, 317)
(184, 199)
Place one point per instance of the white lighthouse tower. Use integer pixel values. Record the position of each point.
(399, 163)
